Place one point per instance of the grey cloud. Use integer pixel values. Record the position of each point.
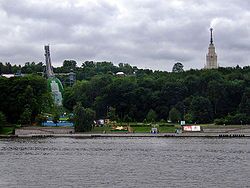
(21, 53)
(66, 15)
(144, 33)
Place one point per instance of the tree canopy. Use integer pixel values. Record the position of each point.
(84, 118)
(203, 95)
(178, 67)
(22, 98)
(198, 95)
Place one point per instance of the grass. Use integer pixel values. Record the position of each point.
(213, 126)
(164, 128)
(101, 129)
(7, 130)
(139, 129)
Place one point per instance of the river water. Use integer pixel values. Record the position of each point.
(125, 162)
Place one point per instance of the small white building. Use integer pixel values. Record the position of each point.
(121, 74)
(7, 75)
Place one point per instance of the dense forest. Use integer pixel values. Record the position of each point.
(23, 98)
(197, 96)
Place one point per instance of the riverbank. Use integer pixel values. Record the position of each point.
(41, 132)
(133, 135)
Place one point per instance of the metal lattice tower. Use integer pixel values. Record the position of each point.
(49, 69)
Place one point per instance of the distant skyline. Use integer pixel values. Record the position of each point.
(144, 33)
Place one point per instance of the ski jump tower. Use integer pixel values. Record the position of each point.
(49, 69)
(55, 85)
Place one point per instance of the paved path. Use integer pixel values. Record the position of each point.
(44, 130)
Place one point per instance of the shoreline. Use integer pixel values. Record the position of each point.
(133, 135)
(44, 132)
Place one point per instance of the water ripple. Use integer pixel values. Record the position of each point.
(124, 162)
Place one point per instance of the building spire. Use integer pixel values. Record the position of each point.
(211, 57)
(211, 38)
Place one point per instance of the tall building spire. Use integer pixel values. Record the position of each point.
(211, 33)
(211, 57)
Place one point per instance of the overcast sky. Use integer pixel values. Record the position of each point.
(151, 34)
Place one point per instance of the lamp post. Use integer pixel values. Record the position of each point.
(241, 126)
(184, 112)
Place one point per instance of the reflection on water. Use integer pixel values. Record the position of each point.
(124, 162)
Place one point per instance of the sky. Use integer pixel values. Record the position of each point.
(144, 33)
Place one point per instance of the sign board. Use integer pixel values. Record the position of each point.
(187, 128)
(183, 122)
(191, 128)
(196, 128)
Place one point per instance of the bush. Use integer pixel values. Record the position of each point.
(40, 118)
(84, 118)
(220, 121)
(162, 121)
(25, 117)
(151, 116)
(188, 118)
(236, 119)
(174, 115)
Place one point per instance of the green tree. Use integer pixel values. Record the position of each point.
(40, 118)
(133, 96)
(119, 94)
(25, 118)
(47, 102)
(188, 118)
(178, 67)
(32, 67)
(174, 115)
(216, 92)
(173, 92)
(127, 119)
(201, 110)
(245, 103)
(69, 99)
(18, 93)
(69, 63)
(151, 116)
(192, 82)
(2, 120)
(112, 114)
(84, 118)
(28, 98)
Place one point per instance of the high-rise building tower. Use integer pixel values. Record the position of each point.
(211, 57)
(49, 69)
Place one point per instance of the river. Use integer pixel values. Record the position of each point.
(125, 162)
